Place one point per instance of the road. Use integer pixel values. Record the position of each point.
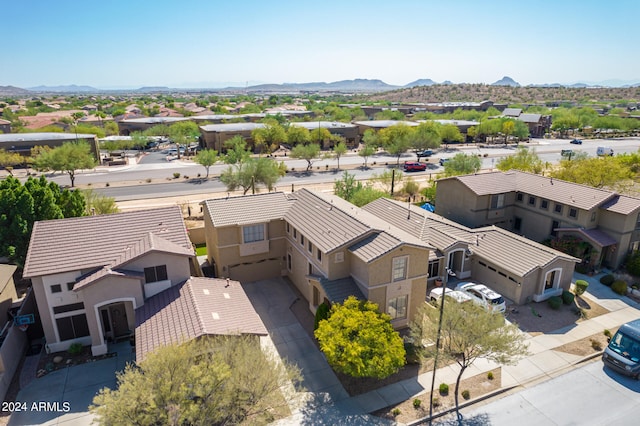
(590, 395)
(154, 167)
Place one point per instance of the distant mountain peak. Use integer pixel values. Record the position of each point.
(506, 81)
(421, 82)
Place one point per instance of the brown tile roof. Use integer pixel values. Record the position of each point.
(94, 241)
(194, 308)
(572, 194)
(511, 252)
(622, 204)
(104, 273)
(331, 222)
(247, 209)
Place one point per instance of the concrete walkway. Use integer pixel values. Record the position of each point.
(544, 362)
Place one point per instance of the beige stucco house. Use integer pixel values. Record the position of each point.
(385, 252)
(540, 208)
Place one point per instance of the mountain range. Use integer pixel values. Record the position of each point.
(343, 86)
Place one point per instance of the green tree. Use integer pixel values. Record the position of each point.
(183, 133)
(425, 136)
(206, 158)
(347, 186)
(307, 152)
(22, 205)
(524, 159)
(97, 203)
(450, 133)
(462, 164)
(251, 173)
(269, 137)
(387, 179)
(397, 140)
(372, 138)
(467, 332)
(605, 172)
(236, 150)
(68, 158)
(365, 152)
(360, 341)
(297, 135)
(213, 381)
(8, 160)
(320, 135)
(339, 150)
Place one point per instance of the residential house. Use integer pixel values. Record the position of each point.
(329, 248)
(541, 208)
(23, 142)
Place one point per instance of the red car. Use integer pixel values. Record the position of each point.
(411, 166)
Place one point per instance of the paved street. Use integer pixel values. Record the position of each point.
(590, 395)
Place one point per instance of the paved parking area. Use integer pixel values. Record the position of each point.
(63, 396)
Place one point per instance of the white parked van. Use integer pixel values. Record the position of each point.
(604, 151)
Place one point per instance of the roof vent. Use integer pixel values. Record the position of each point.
(215, 315)
(205, 291)
(226, 295)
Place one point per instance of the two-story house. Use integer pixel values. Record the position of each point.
(328, 248)
(540, 208)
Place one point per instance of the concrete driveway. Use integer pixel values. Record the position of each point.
(63, 397)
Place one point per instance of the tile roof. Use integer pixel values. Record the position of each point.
(232, 127)
(597, 236)
(105, 272)
(247, 209)
(511, 252)
(339, 290)
(94, 241)
(331, 222)
(194, 308)
(569, 193)
(530, 118)
(621, 204)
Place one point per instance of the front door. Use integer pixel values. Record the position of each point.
(119, 323)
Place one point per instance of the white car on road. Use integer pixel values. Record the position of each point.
(483, 296)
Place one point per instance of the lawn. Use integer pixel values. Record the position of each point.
(201, 249)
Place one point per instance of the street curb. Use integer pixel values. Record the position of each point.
(548, 374)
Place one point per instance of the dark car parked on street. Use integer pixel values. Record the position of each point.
(576, 142)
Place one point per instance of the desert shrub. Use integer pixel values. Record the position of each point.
(555, 302)
(322, 313)
(595, 345)
(606, 280)
(581, 287)
(416, 403)
(75, 348)
(607, 332)
(436, 402)
(619, 287)
(444, 389)
(633, 264)
(490, 375)
(567, 297)
(396, 412)
(176, 175)
(465, 394)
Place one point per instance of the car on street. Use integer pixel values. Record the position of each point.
(604, 151)
(436, 294)
(424, 153)
(483, 296)
(576, 142)
(622, 354)
(443, 160)
(412, 166)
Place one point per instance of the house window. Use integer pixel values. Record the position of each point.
(517, 223)
(68, 308)
(288, 228)
(155, 273)
(289, 262)
(434, 268)
(72, 327)
(593, 216)
(397, 307)
(56, 288)
(544, 204)
(295, 234)
(532, 201)
(253, 233)
(519, 196)
(497, 201)
(557, 208)
(399, 268)
(70, 285)
(319, 255)
(302, 240)
(554, 225)
(310, 247)
(339, 257)
(573, 213)
(310, 268)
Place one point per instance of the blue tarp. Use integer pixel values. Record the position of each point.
(428, 207)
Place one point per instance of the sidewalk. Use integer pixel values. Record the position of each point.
(542, 363)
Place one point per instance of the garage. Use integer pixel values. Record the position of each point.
(263, 269)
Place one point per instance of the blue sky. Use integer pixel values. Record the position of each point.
(206, 43)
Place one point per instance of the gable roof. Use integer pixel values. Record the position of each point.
(569, 193)
(94, 241)
(194, 308)
(492, 243)
(247, 209)
(331, 222)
